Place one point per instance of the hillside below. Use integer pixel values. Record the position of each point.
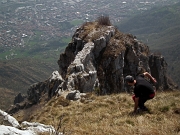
(160, 22)
(17, 75)
(6, 97)
(159, 29)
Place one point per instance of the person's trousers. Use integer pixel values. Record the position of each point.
(143, 99)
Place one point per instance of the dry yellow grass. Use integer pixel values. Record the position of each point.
(92, 31)
(112, 115)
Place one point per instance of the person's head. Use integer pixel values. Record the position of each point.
(129, 80)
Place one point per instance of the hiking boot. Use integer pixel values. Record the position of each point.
(144, 108)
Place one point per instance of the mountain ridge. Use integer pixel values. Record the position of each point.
(17, 75)
(162, 35)
(20, 71)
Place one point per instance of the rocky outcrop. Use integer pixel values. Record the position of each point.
(158, 68)
(99, 57)
(19, 98)
(50, 87)
(97, 60)
(25, 128)
(44, 91)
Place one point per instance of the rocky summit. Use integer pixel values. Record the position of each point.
(97, 60)
(100, 56)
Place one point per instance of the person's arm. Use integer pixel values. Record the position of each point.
(150, 77)
(136, 101)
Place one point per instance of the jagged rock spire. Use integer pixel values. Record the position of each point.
(99, 57)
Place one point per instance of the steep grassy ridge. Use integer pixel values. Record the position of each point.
(159, 27)
(108, 115)
(19, 74)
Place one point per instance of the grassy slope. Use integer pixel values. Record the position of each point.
(109, 115)
(6, 94)
(19, 74)
(160, 29)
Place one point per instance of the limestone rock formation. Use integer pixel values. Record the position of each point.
(25, 128)
(19, 98)
(158, 68)
(97, 59)
(100, 56)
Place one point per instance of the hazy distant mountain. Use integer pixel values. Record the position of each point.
(161, 24)
(159, 28)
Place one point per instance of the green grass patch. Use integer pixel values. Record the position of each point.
(66, 39)
(4, 54)
(165, 108)
(130, 122)
(76, 22)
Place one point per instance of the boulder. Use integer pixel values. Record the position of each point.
(25, 128)
(74, 95)
(19, 98)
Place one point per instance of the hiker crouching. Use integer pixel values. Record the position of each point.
(143, 90)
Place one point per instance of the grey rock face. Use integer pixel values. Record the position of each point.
(74, 95)
(158, 68)
(101, 58)
(50, 87)
(25, 128)
(19, 98)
